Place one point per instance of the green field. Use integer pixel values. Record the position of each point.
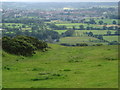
(111, 38)
(60, 31)
(59, 22)
(10, 24)
(63, 67)
(82, 39)
(95, 32)
(70, 25)
(16, 25)
(108, 21)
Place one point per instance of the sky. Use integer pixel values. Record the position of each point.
(60, 0)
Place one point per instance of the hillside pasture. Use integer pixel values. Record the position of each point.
(63, 67)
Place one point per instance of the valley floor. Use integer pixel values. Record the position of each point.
(63, 67)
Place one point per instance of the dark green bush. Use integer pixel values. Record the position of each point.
(98, 44)
(81, 44)
(34, 41)
(22, 45)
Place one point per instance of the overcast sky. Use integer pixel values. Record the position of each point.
(60, 0)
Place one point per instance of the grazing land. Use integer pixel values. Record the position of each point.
(112, 38)
(63, 67)
(60, 45)
(83, 39)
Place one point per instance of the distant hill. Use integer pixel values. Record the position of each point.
(55, 5)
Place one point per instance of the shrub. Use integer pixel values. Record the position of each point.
(22, 45)
(65, 44)
(67, 70)
(98, 44)
(81, 44)
(34, 41)
(110, 58)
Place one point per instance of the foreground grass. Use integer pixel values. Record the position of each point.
(0, 68)
(63, 67)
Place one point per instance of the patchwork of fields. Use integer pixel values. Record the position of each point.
(76, 25)
(79, 36)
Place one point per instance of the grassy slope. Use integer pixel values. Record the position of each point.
(77, 67)
(0, 68)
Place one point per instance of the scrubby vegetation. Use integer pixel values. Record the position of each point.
(22, 45)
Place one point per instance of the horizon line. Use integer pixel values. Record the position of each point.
(57, 2)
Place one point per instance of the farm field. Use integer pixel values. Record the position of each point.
(108, 21)
(60, 31)
(70, 25)
(95, 32)
(59, 22)
(17, 25)
(111, 38)
(13, 24)
(81, 32)
(79, 36)
(63, 67)
(83, 39)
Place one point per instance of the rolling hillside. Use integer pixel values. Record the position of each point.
(63, 67)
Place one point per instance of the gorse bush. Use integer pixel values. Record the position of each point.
(81, 44)
(22, 45)
(34, 41)
(98, 44)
